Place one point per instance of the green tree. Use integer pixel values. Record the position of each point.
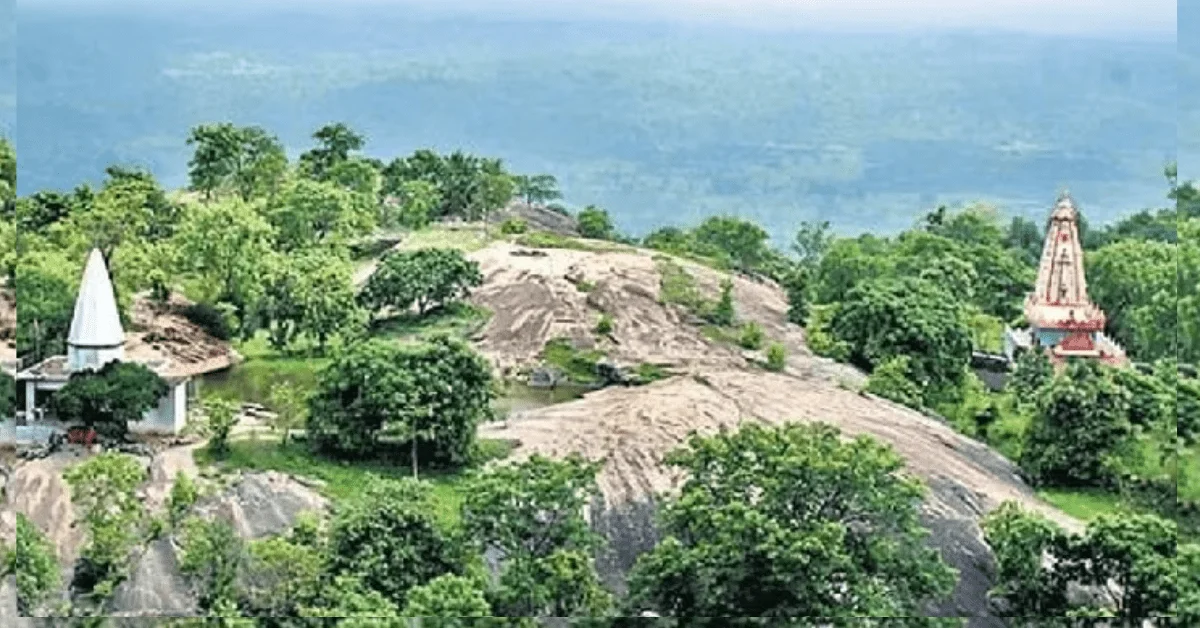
(357, 176)
(537, 189)
(225, 247)
(418, 201)
(280, 577)
(290, 404)
(812, 240)
(595, 223)
(797, 285)
(885, 318)
(890, 381)
(744, 242)
(1134, 282)
(309, 212)
(1031, 373)
(1081, 424)
(790, 522)
(47, 281)
(723, 312)
(446, 393)
(847, 263)
(425, 278)
(335, 143)
(1130, 558)
(211, 555)
(183, 496)
(8, 173)
(356, 395)
(219, 416)
(216, 151)
(444, 600)
(309, 293)
(390, 541)
(103, 492)
(533, 513)
(110, 398)
(34, 563)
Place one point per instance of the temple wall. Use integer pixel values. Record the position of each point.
(80, 358)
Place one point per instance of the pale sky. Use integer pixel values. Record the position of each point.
(1155, 17)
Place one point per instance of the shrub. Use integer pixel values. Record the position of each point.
(604, 326)
(183, 496)
(891, 381)
(723, 313)
(595, 223)
(513, 226)
(776, 357)
(209, 318)
(108, 399)
(752, 336)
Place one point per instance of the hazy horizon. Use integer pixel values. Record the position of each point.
(1102, 18)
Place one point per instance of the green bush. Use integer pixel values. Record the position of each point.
(513, 226)
(891, 381)
(776, 357)
(752, 336)
(604, 326)
(209, 318)
(723, 313)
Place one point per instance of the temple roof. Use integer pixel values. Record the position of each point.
(1060, 297)
(96, 322)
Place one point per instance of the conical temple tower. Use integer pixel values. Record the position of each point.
(1061, 316)
(96, 336)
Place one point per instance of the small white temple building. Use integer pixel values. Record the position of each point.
(95, 339)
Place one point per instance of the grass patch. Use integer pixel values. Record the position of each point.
(578, 365)
(466, 239)
(347, 480)
(1083, 504)
(585, 286)
(722, 335)
(548, 240)
(647, 373)
(459, 319)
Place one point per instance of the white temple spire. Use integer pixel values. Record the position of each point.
(96, 323)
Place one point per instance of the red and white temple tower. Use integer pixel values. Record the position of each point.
(1063, 321)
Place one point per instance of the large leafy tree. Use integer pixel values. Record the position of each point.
(885, 318)
(225, 247)
(847, 263)
(790, 521)
(1080, 426)
(46, 280)
(532, 513)
(1134, 282)
(246, 159)
(309, 293)
(357, 394)
(432, 394)
(1131, 558)
(110, 398)
(445, 599)
(425, 278)
(389, 540)
(309, 212)
(446, 393)
(811, 242)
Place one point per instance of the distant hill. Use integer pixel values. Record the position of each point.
(656, 123)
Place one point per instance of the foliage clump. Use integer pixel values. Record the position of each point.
(425, 279)
(108, 399)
